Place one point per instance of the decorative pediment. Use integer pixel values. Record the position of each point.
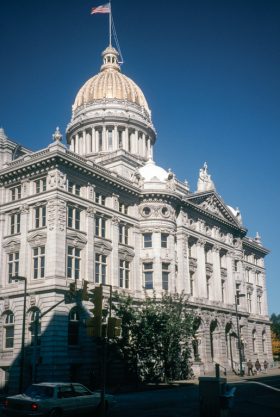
(76, 239)
(37, 239)
(11, 245)
(213, 204)
(126, 253)
(102, 246)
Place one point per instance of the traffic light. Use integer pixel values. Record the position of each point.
(94, 328)
(97, 299)
(114, 327)
(70, 296)
(85, 295)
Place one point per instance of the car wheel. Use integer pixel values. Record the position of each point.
(55, 413)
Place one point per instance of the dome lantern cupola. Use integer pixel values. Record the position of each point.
(110, 59)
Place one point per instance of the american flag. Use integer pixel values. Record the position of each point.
(105, 8)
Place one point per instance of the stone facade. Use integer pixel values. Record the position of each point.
(104, 212)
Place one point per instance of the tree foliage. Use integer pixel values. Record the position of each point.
(275, 324)
(156, 336)
(275, 335)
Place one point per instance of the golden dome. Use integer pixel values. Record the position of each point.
(110, 83)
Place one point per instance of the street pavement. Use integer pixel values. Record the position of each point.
(257, 396)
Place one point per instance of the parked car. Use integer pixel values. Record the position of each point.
(55, 399)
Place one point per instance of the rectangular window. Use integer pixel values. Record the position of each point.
(74, 188)
(100, 227)
(40, 185)
(249, 302)
(124, 274)
(123, 208)
(147, 240)
(208, 282)
(235, 266)
(73, 262)
(39, 262)
(13, 265)
(110, 139)
(100, 268)
(100, 199)
(237, 294)
(100, 141)
(123, 234)
(15, 193)
(15, 223)
(73, 218)
(165, 276)
(148, 275)
(164, 237)
(192, 283)
(259, 303)
(120, 133)
(40, 216)
(223, 290)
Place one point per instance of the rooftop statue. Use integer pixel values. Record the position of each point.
(204, 182)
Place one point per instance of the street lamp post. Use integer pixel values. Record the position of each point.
(22, 353)
(237, 296)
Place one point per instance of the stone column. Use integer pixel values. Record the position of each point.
(216, 278)
(25, 251)
(183, 280)
(84, 142)
(115, 138)
(230, 281)
(56, 240)
(114, 278)
(89, 270)
(157, 274)
(201, 269)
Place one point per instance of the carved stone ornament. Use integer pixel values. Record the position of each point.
(37, 239)
(115, 199)
(6, 304)
(76, 239)
(57, 214)
(12, 245)
(25, 188)
(91, 191)
(115, 220)
(125, 253)
(91, 211)
(32, 300)
(102, 247)
(56, 179)
(24, 209)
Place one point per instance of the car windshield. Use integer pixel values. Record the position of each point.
(39, 391)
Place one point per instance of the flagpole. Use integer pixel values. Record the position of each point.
(110, 25)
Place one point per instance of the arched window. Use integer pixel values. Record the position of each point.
(264, 341)
(9, 330)
(35, 327)
(73, 327)
(254, 345)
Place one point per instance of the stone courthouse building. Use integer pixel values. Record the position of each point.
(100, 209)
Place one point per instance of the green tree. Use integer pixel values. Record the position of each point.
(156, 336)
(275, 324)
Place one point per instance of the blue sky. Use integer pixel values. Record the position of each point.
(209, 70)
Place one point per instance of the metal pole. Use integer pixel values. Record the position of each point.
(238, 336)
(21, 376)
(35, 342)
